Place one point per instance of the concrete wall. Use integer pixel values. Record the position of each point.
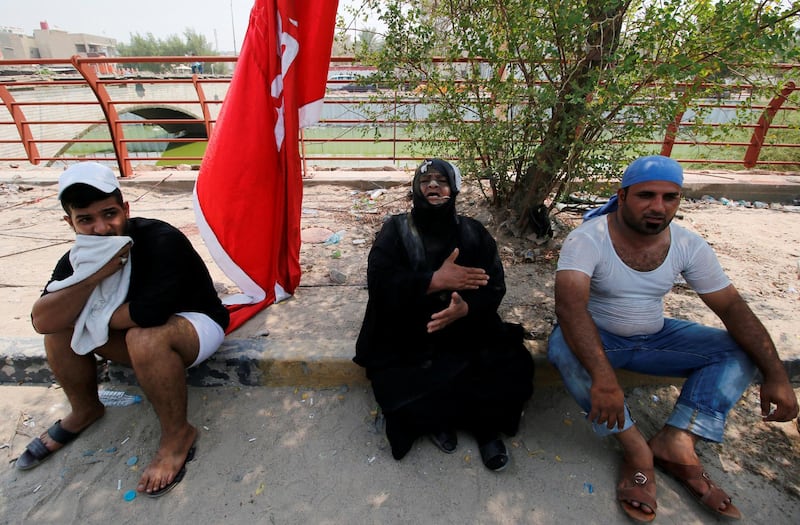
(14, 45)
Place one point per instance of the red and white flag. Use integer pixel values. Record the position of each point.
(249, 191)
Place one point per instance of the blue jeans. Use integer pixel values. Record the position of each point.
(717, 372)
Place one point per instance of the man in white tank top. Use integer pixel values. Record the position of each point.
(612, 275)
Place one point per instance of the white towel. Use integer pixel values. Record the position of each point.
(90, 253)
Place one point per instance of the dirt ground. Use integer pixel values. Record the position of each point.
(758, 248)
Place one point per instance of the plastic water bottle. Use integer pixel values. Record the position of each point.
(335, 237)
(117, 398)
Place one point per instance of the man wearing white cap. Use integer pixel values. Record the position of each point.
(164, 316)
(612, 275)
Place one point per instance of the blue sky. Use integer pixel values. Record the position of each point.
(220, 21)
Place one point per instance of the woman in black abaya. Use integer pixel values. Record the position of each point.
(438, 355)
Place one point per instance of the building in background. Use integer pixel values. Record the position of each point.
(53, 43)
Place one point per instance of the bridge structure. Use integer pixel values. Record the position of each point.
(49, 114)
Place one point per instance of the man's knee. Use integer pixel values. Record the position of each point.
(58, 342)
(143, 342)
(176, 335)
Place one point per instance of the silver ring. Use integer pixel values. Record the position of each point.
(123, 260)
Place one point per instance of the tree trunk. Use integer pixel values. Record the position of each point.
(545, 171)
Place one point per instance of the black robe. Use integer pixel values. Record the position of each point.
(475, 374)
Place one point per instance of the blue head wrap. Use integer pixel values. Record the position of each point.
(643, 169)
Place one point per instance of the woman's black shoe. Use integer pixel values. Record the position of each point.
(445, 440)
(494, 454)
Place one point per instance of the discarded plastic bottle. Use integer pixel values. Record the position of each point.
(117, 398)
(335, 237)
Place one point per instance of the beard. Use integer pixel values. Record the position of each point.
(647, 224)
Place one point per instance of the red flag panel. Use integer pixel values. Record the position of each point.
(249, 191)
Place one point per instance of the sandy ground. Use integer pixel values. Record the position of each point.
(284, 455)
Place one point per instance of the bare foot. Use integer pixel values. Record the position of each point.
(169, 459)
(75, 422)
(677, 445)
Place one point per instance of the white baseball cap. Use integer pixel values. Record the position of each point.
(91, 173)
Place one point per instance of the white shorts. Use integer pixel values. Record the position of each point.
(209, 333)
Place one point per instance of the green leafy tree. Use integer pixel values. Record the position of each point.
(369, 41)
(537, 96)
(192, 43)
(355, 28)
(342, 40)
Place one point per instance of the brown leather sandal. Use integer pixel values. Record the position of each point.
(712, 498)
(632, 488)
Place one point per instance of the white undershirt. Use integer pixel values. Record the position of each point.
(628, 302)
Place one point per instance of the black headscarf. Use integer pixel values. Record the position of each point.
(427, 215)
(436, 224)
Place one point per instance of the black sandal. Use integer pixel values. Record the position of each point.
(494, 454)
(37, 452)
(178, 477)
(445, 440)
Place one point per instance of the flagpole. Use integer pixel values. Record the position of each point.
(233, 29)
(303, 152)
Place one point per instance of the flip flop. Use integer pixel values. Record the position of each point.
(633, 486)
(36, 452)
(178, 477)
(712, 498)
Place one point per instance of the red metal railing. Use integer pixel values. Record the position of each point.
(49, 112)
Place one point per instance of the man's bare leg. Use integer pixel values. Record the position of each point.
(77, 375)
(159, 357)
(677, 445)
(638, 455)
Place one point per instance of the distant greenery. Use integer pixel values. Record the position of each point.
(785, 129)
(189, 149)
(319, 141)
(190, 44)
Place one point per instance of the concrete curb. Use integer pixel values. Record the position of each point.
(261, 362)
